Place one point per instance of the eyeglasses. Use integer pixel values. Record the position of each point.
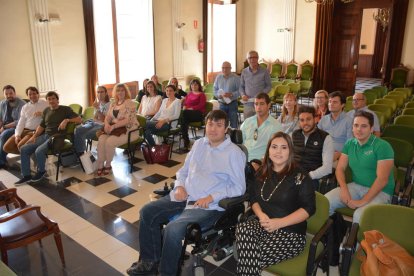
(253, 57)
(356, 100)
(320, 97)
(256, 134)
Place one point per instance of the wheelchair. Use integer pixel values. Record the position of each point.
(216, 241)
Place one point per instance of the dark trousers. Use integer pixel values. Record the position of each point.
(189, 116)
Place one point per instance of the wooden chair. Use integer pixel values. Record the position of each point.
(277, 70)
(23, 226)
(292, 70)
(399, 76)
(306, 71)
(9, 196)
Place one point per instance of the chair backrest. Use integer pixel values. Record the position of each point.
(399, 76)
(408, 111)
(407, 90)
(381, 118)
(287, 81)
(348, 106)
(387, 110)
(277, 69)
(276, 83)
(394, 221)
(263, 65)
(401, 93)
(305, 85)
(291, 70)
(209, 107)
(399, 99)
(77, 108)
(281, 90)
(407, 120)
(409, 105)
(402, 132)
(306, 69)
(389, 102)
(294, 87)
(382, 89)
(321, 214)
(403, 151)
(371, 96)
(209, 88)
(88, 113)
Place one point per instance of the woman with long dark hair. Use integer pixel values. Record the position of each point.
(282, 198)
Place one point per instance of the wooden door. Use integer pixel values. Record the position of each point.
(345, 47)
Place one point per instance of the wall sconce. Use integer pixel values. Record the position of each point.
(179, 25)
(382, 17)
(52, 18)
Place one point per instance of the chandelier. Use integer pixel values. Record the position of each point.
(323, 2)
(382, 17)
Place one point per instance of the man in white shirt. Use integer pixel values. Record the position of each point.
(30, 117)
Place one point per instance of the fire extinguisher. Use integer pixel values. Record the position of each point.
(200, 45)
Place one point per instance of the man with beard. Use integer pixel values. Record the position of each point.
(313, 147)
(10, 109)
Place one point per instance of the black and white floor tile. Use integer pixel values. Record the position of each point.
(98, 217)
(366, 83)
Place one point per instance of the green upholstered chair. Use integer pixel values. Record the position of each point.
(348, 106)
(197, 125)
(409, 105)
(371, 95)
(280, 92)
(294, 87)
(408, 90)
(389, 102)
(292, 70)
(399, 76)
(383, 90)
(276, 83)
(404, 93)
(316, 250)
(399, 99)
(277, 70)
(77, 108)
(131, 145)
(381, 119)
(306, 71)
(402, 132)
(209, 88)
(263, 65)
(287, 81)
(407, 120)
(385, 109)
(305, 89)
(396, 222)
(408, 111)
(88, 113)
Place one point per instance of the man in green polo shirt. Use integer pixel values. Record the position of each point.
(371, 161)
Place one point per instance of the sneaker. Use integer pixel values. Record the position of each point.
(38, 176)
(142, 268)
(24, 180)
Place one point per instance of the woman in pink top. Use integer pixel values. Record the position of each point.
(194, 108)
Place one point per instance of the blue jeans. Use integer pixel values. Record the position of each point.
(84, 132)
(157, 212)
(231, 110)
(39, 148)
(4, 136)
(150, 129)
(357, 192)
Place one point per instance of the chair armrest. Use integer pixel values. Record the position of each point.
(9, 196)
(347, 249)
(133, 130)
(227, 203)
(323, 232)
(17, 212)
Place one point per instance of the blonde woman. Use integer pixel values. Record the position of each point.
(121, 114)
(151, 102)
(289, 117)
(321, 104)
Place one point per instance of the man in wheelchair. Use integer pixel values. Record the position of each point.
(213, 170)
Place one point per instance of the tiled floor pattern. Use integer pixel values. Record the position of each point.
(366, 83)
(98, 217)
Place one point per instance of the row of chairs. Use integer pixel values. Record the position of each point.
(278, 70)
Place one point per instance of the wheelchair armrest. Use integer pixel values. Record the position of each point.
(323, 232)
(406, 195)
(227, 203)
(347, 249)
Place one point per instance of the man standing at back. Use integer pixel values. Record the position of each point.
(313, 147)
(258, 129)
(10, 109)
(226, 90)
(253, 81)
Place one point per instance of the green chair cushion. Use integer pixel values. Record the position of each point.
(135, 142)
(297, 265)
(346, 211)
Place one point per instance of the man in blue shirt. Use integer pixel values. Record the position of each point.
(10, 109)
(226, 89)
(337, 123)
(213, 170)
(253, 81)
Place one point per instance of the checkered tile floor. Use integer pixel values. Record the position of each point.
(366, 83)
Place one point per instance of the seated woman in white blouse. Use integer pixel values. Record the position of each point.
(170, 110)
(150, 103)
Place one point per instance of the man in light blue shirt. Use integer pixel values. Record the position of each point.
(213, 170)
(226, 89)
(253, 81)
(359, 102)
(258, 129)
(337, 123)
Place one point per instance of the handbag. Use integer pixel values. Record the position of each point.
(383, 256)
(88, 162)
(156, 154)
(116, 131)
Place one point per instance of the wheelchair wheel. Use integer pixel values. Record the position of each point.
(199, 270)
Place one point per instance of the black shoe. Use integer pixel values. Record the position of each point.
(24, 180)
(142, 268)
(3, 166)
(38, 176)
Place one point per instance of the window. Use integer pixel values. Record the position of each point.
(221, 36)
(124, 40)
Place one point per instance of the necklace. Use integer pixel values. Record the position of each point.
(271, 194)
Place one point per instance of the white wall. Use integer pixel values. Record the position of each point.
(407, 56)
(368, 32)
